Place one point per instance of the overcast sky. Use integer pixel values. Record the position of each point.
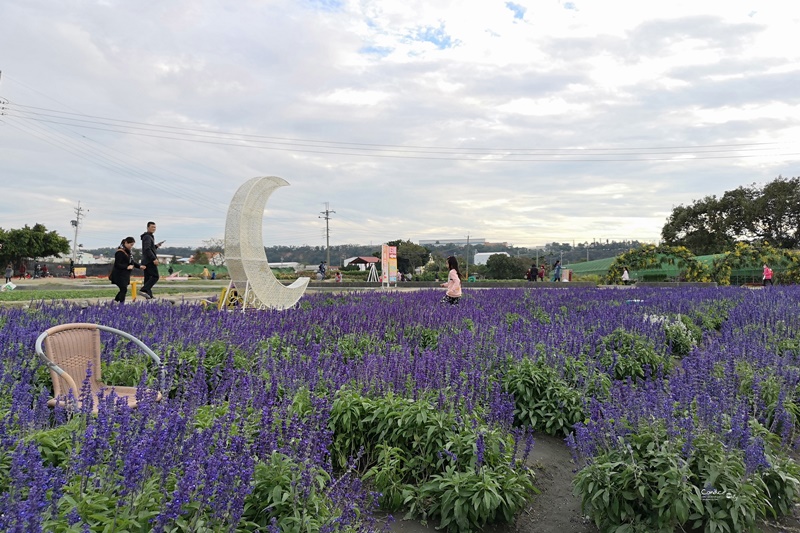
(526, 122)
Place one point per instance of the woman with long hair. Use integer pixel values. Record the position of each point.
(123, 264)
(453, 284)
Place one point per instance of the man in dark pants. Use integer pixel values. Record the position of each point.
(150, 260)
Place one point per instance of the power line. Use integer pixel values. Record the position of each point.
(110, 162)
(291, 139)
(699, 152)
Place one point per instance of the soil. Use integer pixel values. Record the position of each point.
(556, 509)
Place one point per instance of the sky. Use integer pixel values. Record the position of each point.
(525, 122)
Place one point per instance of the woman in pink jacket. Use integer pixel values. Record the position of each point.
(767, 275)
(453, 284)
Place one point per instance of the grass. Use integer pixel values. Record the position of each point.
(74, 294)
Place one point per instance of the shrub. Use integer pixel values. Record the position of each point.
(628, 354)
(542, 400)
(423, 456)
(682, 335)
(646, 483)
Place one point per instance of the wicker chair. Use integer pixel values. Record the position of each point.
(68, 349)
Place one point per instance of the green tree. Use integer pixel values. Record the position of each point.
(30, 243)
(501, 266)
(750, 214)
(200, 257)
(410, 255)
(702, 227)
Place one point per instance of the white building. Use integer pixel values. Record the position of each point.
(482, 257)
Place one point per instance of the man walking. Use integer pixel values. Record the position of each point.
(150, 260)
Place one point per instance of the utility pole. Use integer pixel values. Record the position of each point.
(467, 270)
(76, 224)
(327, 216)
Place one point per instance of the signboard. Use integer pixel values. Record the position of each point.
(80, 272)
(388, 264)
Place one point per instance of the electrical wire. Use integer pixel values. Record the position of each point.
(262, 142)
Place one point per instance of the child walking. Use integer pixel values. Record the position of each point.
(453, 284)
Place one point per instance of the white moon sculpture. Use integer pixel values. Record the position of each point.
(244, 249)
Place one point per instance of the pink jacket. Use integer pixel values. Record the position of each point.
(767, 272)
(453, 285)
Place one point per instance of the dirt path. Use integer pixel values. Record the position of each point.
(555, 510)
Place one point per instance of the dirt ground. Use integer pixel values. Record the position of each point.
(556, 510)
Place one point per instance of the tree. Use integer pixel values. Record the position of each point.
(30, 243)
(749, 214)
(701, 227)
(410, 255)
(217, 248)
(501, 266)
(199, 257)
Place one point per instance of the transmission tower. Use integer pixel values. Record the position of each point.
(327, 216)
(77, 224)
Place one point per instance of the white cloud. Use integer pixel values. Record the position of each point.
(525, 122)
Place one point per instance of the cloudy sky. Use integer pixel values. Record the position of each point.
(526, 122)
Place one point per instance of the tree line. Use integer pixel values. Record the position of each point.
(19, 245)
(751, 214)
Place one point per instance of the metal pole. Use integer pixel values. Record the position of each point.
(326, 215)
(467, 271)
(76, 223)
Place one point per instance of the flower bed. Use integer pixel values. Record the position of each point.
(680, 407)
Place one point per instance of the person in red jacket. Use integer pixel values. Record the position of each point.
(767, 275)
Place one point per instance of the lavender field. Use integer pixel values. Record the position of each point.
(680, 407)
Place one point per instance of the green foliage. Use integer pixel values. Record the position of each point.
(700, 227)
(745, 255)
(100, 505)
(277, 495)
(512, 318)
(628, 354)
(424, 457)
(56, 444)
(33, 243)
(682, 335)
(587, 379)
(215, 358)
(501, 266)
(124, 372)
(712, 315)
(200, 257)
(761, 389)
(644, 484)
(426, 338)
(748, 213)
(410, 255)
(650, 256)
(353, 346)
(47, 295)
(467, 500)
(542, 400)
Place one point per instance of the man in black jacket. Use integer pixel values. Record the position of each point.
(150, 260)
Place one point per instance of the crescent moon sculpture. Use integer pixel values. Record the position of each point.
(244, 249)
